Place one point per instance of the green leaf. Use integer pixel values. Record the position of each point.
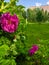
(4, 50)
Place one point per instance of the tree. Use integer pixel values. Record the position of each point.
(45, 16)
(39, 15)
(31, 15)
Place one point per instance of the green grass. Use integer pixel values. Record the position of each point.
(37, 31)
(38, 34)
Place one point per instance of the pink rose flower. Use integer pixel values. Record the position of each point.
(33, 50)
(9, 23)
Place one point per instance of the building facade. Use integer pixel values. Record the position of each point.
(45, 7)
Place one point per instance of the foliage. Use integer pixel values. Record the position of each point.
(31, 15)
(37, 15)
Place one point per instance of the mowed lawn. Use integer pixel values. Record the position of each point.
(38, 34)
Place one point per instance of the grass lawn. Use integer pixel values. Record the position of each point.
(39, 34)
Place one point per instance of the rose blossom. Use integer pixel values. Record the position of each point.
(33, 49)
(9, 23)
